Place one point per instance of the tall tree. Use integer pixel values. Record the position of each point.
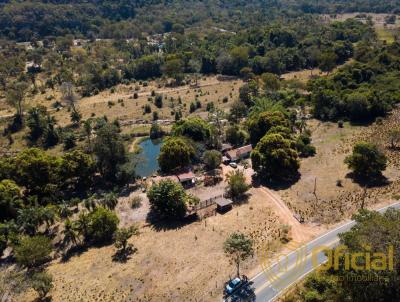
(275, 157)
(175, 153)
(238, 248)
(16, 96)
(109, 150)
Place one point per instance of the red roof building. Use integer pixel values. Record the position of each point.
(239, 153)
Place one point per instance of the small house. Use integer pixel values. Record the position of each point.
(239, 153)
(187, 178)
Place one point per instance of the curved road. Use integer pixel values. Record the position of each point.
(288, 270)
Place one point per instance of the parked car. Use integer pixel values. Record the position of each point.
(233, 165)
(233, 285)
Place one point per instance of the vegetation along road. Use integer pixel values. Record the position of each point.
(291, 268)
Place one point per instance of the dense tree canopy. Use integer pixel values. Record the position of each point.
(109, 150)
(10, 199)
(275, 157)
(212, 159)
(260, 124)
(194, 128)
(360, 91)
(168, 199)
(175, 153)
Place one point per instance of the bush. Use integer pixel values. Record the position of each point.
(192, 107)
(366, 161)
(69, 140)
(156, 131)
(155, 116)
(42, 283)
(136, 202)
(237, 183)
(158, 101)
(32, 251)
(147, 108)
(102, 225)
(168, 199)
(212, 159)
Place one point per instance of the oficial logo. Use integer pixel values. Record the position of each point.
(286, 267)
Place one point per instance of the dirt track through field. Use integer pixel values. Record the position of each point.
(298, 231)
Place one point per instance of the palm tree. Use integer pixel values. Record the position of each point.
(29, 219)
(83, 224)
(90, 203)
(109, 200)
(64, 210)
(265, 104)
(48, 215)
(69, 233)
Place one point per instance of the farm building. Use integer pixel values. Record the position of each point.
(239, 153)
(187, 178)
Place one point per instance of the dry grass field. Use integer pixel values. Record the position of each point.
(332, 202)
(170, 264)
(119, 102)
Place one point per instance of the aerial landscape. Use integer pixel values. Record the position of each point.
(210, 150)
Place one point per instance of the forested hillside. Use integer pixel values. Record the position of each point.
(24, 20)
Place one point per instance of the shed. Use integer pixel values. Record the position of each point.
(187, 178)
(223, 204)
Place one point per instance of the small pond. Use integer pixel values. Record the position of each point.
(147, 162)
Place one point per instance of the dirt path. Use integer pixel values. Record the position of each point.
(299, 232)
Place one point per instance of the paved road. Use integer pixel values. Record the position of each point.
(272, 281)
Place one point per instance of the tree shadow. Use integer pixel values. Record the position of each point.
(281, 184)
(362, 123)
(45, 299)
(74, 251)
(123, 255)
(127, 190)
(377, 181)
(242, 199)
(159, 224)
(394, 148)
(245, 293)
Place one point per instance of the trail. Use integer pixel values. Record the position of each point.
(298, 230)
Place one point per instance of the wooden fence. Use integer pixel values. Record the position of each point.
(205, 204)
